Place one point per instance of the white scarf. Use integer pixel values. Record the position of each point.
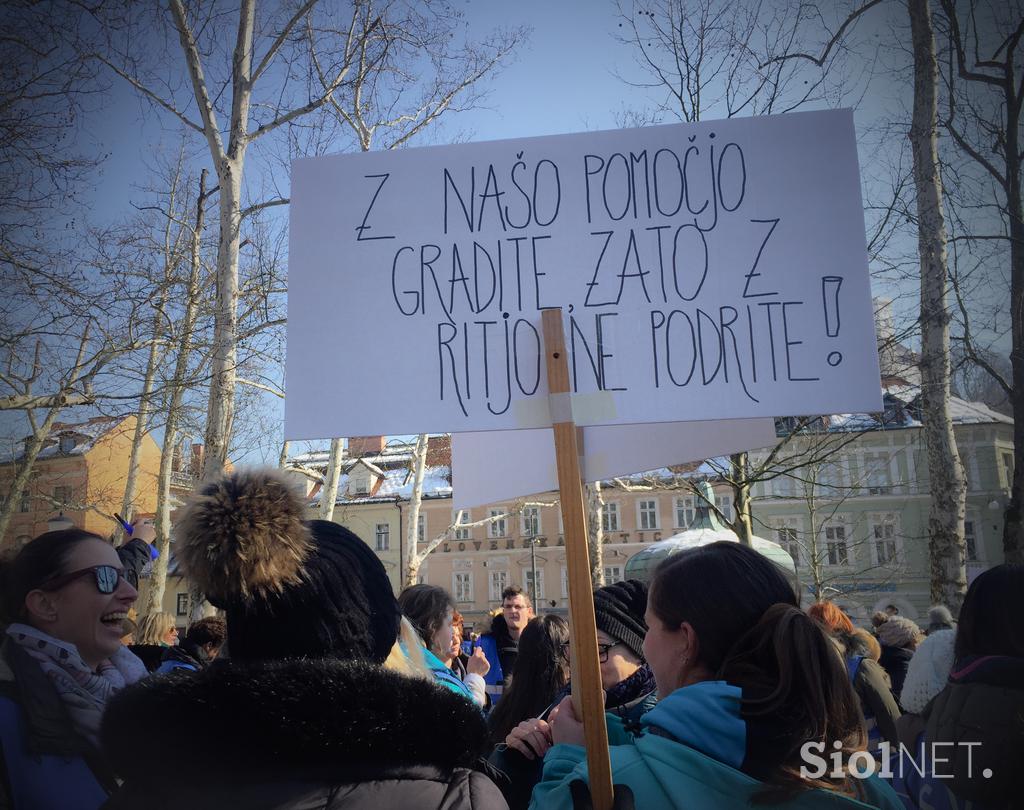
(84, 691)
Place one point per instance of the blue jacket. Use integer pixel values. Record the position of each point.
(696, 767)
(169, 665)
(494, 680)
(444, 676)
(44, 763)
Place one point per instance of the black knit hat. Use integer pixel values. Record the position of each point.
(620, 612)
(291, 589)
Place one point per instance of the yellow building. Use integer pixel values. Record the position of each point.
(80, 474)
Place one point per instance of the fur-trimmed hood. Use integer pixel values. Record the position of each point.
(323, 718)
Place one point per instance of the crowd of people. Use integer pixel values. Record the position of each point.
(316, 686)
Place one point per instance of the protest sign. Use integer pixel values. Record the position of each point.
(526, 458)
(713, 270)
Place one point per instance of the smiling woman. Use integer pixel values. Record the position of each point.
(64, 599)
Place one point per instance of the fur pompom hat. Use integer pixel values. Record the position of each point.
(619, 609)
(899, 631)
(290, 588)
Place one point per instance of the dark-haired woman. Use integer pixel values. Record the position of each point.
(65, 599)
(972, 747)
(430, 609)
(746, 681)
(542, 673)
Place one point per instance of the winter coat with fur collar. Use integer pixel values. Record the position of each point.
(296, 734)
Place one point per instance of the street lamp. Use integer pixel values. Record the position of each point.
(533, 571)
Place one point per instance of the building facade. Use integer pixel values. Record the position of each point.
(80, 474)
(849, 501)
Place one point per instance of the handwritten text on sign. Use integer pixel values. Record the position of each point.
(713, 270)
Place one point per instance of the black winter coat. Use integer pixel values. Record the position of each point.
(297, 734)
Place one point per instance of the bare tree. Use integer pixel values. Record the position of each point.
(310, 58)
(985, 83)
(176, 389)
(949, 489)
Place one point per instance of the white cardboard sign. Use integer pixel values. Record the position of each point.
(715, 270)
(525, 459)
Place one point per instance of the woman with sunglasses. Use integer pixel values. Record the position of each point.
(64, 598)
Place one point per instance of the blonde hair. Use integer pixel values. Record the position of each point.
(406, 656)
(153, 627)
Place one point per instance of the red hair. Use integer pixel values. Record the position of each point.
(832, 617)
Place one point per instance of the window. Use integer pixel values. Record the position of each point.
(684, 512)
(610, 517)
(62, 495)
(786, 535)
(462, 586)
(383, 536)
(829, 478)
(498, 581)
(25, 503)
(530, 521)
(724, 504)
(612, 574)
(876, 470)
(496, 528)
(528, 581)
(1007, 467)
(883, 538)
(565, 582)
(463, 534)
(421, 528)
(181, 606)
(783, 486)
(971, 541)
(838, 553)
(66, 444)
(647, 514)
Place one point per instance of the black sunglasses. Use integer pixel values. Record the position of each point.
(107, 578)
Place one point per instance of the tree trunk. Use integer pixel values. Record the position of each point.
(330, 491)
(162, 524)
(1013, 526)
(595, 531)
(412, 557)
(948, 490)
(230, 166)
(743, 523)
(145, 406)
(282, 460)
(221, 407)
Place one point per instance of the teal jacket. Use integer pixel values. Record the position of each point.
(696, 768)
(444, 676)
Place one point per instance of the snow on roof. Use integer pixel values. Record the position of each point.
(85, 434)
(397, 485)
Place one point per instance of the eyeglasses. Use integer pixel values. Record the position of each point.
(602, 650)
(107, 578)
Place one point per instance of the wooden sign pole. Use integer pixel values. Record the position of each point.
(587, 694)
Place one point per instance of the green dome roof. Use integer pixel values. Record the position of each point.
(705, 529)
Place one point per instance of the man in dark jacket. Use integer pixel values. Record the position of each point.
(501, 644)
